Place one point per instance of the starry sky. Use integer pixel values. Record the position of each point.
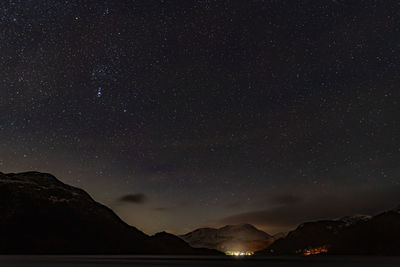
(180, 114)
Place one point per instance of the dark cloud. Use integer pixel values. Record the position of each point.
(134, 198)
(294, 212)
(160, 209)
(286, 199)
(234, 205)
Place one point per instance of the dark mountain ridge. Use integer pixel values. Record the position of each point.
(356, 235)
(378, 236)
(41, 215)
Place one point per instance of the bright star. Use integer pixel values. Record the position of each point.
(99, 92)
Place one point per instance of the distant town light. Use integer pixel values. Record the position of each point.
(313, 251)
(239, 253)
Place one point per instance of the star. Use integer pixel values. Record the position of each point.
(99, 92)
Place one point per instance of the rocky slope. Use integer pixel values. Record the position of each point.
(40, 214)
(356, 235)
(244, 237)
(378, 236)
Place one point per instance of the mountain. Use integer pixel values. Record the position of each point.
(355, 235)
(165, 243)
(312, 235)
(40, 214)
(243, 238)
(379, 236)
(280, 235)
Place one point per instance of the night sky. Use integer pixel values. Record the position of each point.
(181, 114)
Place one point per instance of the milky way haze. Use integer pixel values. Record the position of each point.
(180, 114)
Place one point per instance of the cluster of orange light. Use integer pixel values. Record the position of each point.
(239, 253)
(314, 251)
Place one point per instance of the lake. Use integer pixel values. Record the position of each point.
(157, 261)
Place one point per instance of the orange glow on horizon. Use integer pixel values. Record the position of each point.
(313, 251)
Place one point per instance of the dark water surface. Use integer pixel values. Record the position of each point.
(153, 261)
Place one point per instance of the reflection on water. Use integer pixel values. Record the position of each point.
(153, 261)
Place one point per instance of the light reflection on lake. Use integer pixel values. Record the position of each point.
(153, 261)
